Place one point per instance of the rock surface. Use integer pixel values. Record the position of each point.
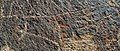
(60, 25)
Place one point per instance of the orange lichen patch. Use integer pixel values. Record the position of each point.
(85, 43)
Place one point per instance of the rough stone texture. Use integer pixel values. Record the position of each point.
(60, 25)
